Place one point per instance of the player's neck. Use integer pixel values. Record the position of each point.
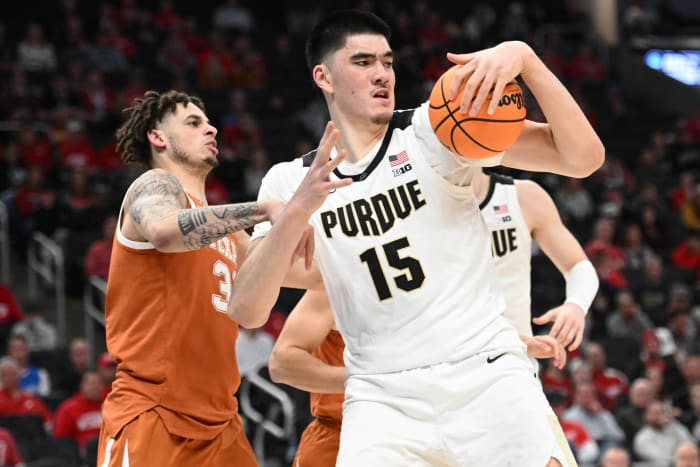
(358, 139)
(480, 185)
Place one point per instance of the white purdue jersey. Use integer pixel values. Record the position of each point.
(404, 254)
(511, 247)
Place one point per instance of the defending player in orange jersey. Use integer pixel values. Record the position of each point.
(171, 277)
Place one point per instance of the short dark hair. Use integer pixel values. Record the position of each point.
(332, 31)
(142, 117)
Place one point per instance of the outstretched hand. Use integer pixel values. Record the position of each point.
(546, 347)
(569, 321)
(316, 185)
(486, 69)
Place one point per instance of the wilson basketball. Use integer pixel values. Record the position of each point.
(482, 135)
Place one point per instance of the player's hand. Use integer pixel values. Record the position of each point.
(546, 347)
(486, 69)
(569, 320)
(316, 185)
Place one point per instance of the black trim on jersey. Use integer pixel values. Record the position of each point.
(399, 120)
(308, 158)
(495, 178)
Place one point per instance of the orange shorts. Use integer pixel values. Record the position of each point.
(319, 445)
(145, 441)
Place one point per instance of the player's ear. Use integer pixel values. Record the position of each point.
(155, 137)
(322, 77)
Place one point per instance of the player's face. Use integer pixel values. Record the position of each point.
(362, 78)
(190, 138)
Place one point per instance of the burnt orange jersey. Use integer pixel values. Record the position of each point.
(169, 334)
(329, 406)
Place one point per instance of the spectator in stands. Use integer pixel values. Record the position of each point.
(636, 252)
(691, 375)
(9, 454)
(99, 252)
(691, 417)
(652, 291)
(660, 436)
(34, 148)
(683, 328)
(79, 357)
(10, 313)
(690, 211)
(15, 401)
(253, 349)
(575, 204)
(687, 455)
(684, 191)
(598, 421)
(631, 417)
(232, 16)
(686, 255)
(628, 320)
(585, 447)
(33, 380)
(76, 151)
(107, 371)
(80, 417)
(39, 333)
(651, 357)
(34, 54)
(610, 383)
(615, 457)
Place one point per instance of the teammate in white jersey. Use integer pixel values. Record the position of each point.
(436, 374)
(517, 212)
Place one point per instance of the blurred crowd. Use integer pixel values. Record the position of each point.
(635, 383)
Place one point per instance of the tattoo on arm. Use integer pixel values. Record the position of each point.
(153, 195)
(201, 226)
(190, 220)
(158, 194)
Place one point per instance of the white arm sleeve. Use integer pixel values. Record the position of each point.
(581, 284)
(455, 169)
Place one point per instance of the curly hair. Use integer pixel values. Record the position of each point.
(132, 136)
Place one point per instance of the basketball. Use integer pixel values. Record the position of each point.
(482, 135)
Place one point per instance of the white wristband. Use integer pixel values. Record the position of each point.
(581, 284)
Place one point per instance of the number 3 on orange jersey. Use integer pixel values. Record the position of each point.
(220, 302)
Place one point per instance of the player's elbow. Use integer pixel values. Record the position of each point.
(589, 158)
(276, 366)
(247, 315)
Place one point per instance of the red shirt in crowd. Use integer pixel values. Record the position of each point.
(9, 454)
(10, 311)
(23, 403)
(78, 418)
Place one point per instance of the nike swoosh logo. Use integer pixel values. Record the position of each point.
(493, 359)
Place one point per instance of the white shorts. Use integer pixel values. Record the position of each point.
(466, 413)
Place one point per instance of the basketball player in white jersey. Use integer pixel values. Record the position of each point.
(517, 212)
(436, 374)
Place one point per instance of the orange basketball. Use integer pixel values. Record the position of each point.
(482, 135)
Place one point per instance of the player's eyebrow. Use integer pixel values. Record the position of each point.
(196, 117)
(361, 55)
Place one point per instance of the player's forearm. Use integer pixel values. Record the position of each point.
(298, 368)
(260, 277)
(192, 229)
(579, 149)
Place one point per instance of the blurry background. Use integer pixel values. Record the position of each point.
(68, 67)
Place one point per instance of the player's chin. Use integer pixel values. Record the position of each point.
(382, 118)
(212, 162)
